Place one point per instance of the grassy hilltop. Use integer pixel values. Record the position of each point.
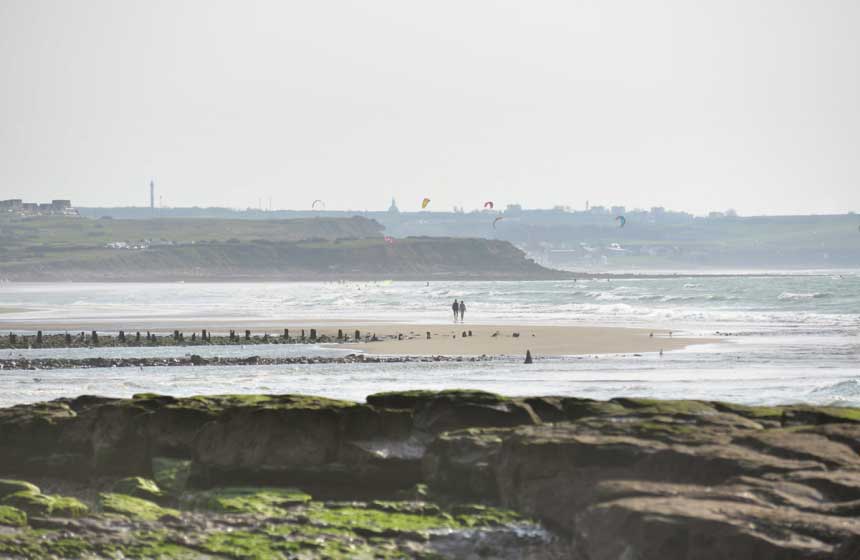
(22, 235)
(81, 249)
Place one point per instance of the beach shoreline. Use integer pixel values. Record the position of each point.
(417, 339)
(516, 340)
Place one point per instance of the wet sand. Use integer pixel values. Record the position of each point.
(400, 339)
(496, 340)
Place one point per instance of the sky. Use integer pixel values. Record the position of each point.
(692, 105)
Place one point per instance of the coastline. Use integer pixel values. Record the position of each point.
(411, 339)
(515, 340)
(556, 274)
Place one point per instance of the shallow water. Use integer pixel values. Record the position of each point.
(794, 338)
(788, 300)
(731, 372)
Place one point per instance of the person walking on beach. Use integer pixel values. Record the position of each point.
(462, 310)
(456, 309)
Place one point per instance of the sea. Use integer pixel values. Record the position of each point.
(784, 337)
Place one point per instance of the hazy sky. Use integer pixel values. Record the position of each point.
(695, 106)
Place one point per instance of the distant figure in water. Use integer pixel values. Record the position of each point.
(462, 310)
(456, 308)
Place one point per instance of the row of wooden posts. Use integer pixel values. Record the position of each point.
(179, 336)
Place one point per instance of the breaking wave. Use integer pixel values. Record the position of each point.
(801, 296)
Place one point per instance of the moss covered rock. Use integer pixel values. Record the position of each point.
(36, 545)
(254, 546)
(12, 517)
(35, 503)
(455, 410)
(171, 474)
(800, 415)
(415, 398)
(134, 508)
(8, 486)
(409, 520)
(657, 406)
(262, 501)
(138, 487)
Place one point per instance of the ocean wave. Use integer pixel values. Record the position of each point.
(842, 389)
(608, 296)
(667, 299)
(802, 296)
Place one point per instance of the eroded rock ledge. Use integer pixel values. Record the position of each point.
(427, 474)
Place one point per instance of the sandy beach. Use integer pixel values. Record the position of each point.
(408, 339)
(498, 340)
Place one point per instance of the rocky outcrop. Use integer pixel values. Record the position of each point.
(622, 479)
(680, 480)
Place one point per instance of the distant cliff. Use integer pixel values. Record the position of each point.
(368, 259)
(592, 240)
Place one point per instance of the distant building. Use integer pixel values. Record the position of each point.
(57, 207)
(658, 210)
(11, 205)
(393, 209)
(618, 210)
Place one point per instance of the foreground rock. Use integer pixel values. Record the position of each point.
(457, 473)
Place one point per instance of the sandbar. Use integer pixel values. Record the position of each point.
(512, 340)
(410, 339)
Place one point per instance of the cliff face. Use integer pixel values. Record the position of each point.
(460, 473)
(371, 258)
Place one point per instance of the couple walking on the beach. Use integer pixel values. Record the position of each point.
(458, 308)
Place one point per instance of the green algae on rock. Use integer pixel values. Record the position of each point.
(37, 545)
(138, 487)
(245, 544)
(414, 520)
(273, 502)
(133, 508)
(623, 476)
(9, 486)
(171, 474)
(758, 413)
(35, 503)
(657, 406)
(12, 517)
